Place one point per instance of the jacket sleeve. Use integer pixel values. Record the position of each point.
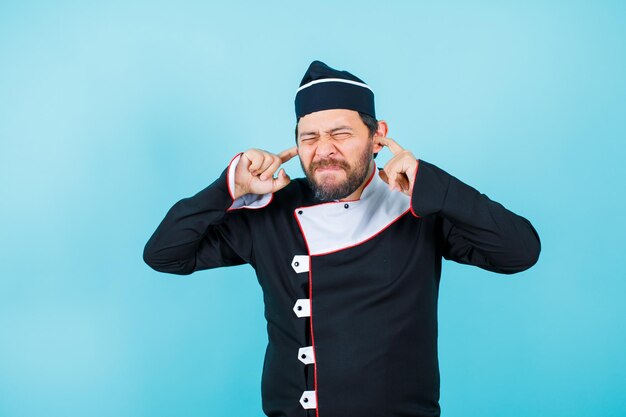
(204, 231)
(476, 230)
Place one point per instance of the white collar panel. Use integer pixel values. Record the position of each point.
(334, 226)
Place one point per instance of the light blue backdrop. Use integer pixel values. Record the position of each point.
(111, 113)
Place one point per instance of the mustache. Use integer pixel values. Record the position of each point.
(325, 163)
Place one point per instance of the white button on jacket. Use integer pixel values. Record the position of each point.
(306, 356)
(302, 308)
(308, 400)
(300, 263)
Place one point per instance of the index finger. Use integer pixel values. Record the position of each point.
(287, 154)
(390, 143)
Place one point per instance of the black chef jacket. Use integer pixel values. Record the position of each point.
(350, 287)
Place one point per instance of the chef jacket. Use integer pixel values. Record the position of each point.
(350, 287)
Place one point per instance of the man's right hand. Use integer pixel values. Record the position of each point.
(254, 173)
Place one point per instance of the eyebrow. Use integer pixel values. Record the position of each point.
(333, 130)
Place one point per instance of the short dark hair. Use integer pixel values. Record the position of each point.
(369, 121)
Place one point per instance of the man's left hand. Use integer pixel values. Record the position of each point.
(399, 172)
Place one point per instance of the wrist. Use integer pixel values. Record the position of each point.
(238, 192)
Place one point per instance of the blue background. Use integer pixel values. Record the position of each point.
(111, 113)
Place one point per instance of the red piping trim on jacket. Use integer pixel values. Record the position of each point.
(232, 194)
(417, 161)
(317, 403)
(308, 251)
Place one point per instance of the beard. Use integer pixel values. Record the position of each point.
(328, 190)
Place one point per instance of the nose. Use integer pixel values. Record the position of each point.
(325, 148)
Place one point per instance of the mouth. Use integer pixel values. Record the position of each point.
(329, 168)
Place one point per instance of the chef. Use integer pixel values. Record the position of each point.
(348, 258)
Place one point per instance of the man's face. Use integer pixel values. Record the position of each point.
(335, 152)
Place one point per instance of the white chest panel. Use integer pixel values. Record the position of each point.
(330, 227)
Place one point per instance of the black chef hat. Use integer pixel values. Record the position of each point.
(323, 88)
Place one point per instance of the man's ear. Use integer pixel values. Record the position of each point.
(381, 131)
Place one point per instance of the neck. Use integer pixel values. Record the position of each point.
(357, 193)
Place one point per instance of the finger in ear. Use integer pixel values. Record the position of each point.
(383, 176)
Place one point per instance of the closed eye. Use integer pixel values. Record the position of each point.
(342, 135)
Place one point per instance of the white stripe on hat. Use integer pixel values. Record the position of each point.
(339, 80)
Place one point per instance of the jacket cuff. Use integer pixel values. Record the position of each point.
(430, 188)
(248, 201)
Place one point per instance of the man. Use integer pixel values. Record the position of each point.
(349, 258)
